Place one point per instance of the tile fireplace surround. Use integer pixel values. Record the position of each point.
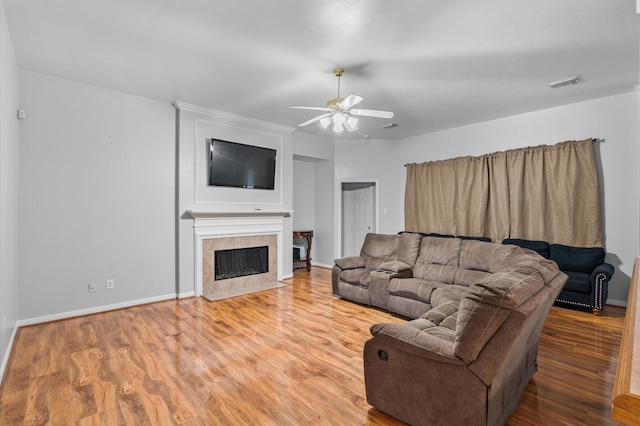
(232, 230)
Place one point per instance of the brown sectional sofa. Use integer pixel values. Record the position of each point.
(477, 311)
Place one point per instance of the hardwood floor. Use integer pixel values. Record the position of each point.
(287, 356)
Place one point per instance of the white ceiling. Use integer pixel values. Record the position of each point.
(436, 64)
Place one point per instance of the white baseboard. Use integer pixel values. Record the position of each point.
(97, 309)
(617, 303)
(5, 357)
(323, 265)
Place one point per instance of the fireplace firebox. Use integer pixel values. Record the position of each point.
(241, 262)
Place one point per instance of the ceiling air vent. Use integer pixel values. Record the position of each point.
(566, 82)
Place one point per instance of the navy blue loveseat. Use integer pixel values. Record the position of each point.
(589, 275)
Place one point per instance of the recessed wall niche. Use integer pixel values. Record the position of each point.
(215, 195)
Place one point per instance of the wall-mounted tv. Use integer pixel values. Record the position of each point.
(237, 165)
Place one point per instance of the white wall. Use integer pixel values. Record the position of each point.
(380, 160)
(303, 194)
(318, 152)
(613, 119)
(324, 235)
(8, 192)
(97, 197)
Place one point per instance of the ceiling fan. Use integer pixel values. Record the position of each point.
(339, 111)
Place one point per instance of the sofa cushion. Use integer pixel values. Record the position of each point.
(352, 262)
(579, 282)
(379, 246)
(395, 266)
(435, 234)
(577, 259)
(413, 288)
(465, 237)
(547, 268)
(438, 259)
(446, 294)
(360, 277)
(467, 277)
(541, 247)
(483, 256)
(444, 314)
(487, 304)
(408, 248)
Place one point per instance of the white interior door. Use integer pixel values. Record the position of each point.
(358, 215)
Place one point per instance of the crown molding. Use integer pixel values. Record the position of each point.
(183, 106)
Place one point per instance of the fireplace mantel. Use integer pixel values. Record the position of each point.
(246, 213)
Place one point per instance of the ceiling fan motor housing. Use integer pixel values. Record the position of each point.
(334, 104)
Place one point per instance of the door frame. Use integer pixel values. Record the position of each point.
(338, 209)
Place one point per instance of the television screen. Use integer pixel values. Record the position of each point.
(237, 165)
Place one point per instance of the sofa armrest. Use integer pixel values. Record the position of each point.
(600, 278)
(395, 266)
(604, 270)
(380, 279)
(413, 340)
(353, 262)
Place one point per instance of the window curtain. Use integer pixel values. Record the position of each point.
(547, 192)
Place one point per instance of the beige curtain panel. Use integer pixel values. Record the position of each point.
(547, 192)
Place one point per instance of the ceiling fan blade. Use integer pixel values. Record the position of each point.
(350, 101)
(313, 120)
(371, 113)
(313, 108)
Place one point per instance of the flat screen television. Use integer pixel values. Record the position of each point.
(237, 165)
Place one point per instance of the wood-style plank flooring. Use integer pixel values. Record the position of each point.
(288, 356)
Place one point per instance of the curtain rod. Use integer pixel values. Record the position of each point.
(592, 140)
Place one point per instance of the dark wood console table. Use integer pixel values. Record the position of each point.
(307, 236)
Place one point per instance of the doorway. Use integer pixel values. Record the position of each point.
(359, 201)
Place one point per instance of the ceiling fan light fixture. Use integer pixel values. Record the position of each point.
(351, 124)
(339, 111)
(324, 122)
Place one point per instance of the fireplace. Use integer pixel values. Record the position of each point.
(219, 231)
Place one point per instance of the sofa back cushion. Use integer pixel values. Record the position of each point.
(541, 247)
(438, 259)
(576, 259)
(487, 304)
(480, 259)
(379, 248)
(484, 256)
(409, 247)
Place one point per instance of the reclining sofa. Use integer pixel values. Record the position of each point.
(476, 312)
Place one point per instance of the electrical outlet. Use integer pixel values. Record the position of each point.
(111, 284)
(92, 288)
